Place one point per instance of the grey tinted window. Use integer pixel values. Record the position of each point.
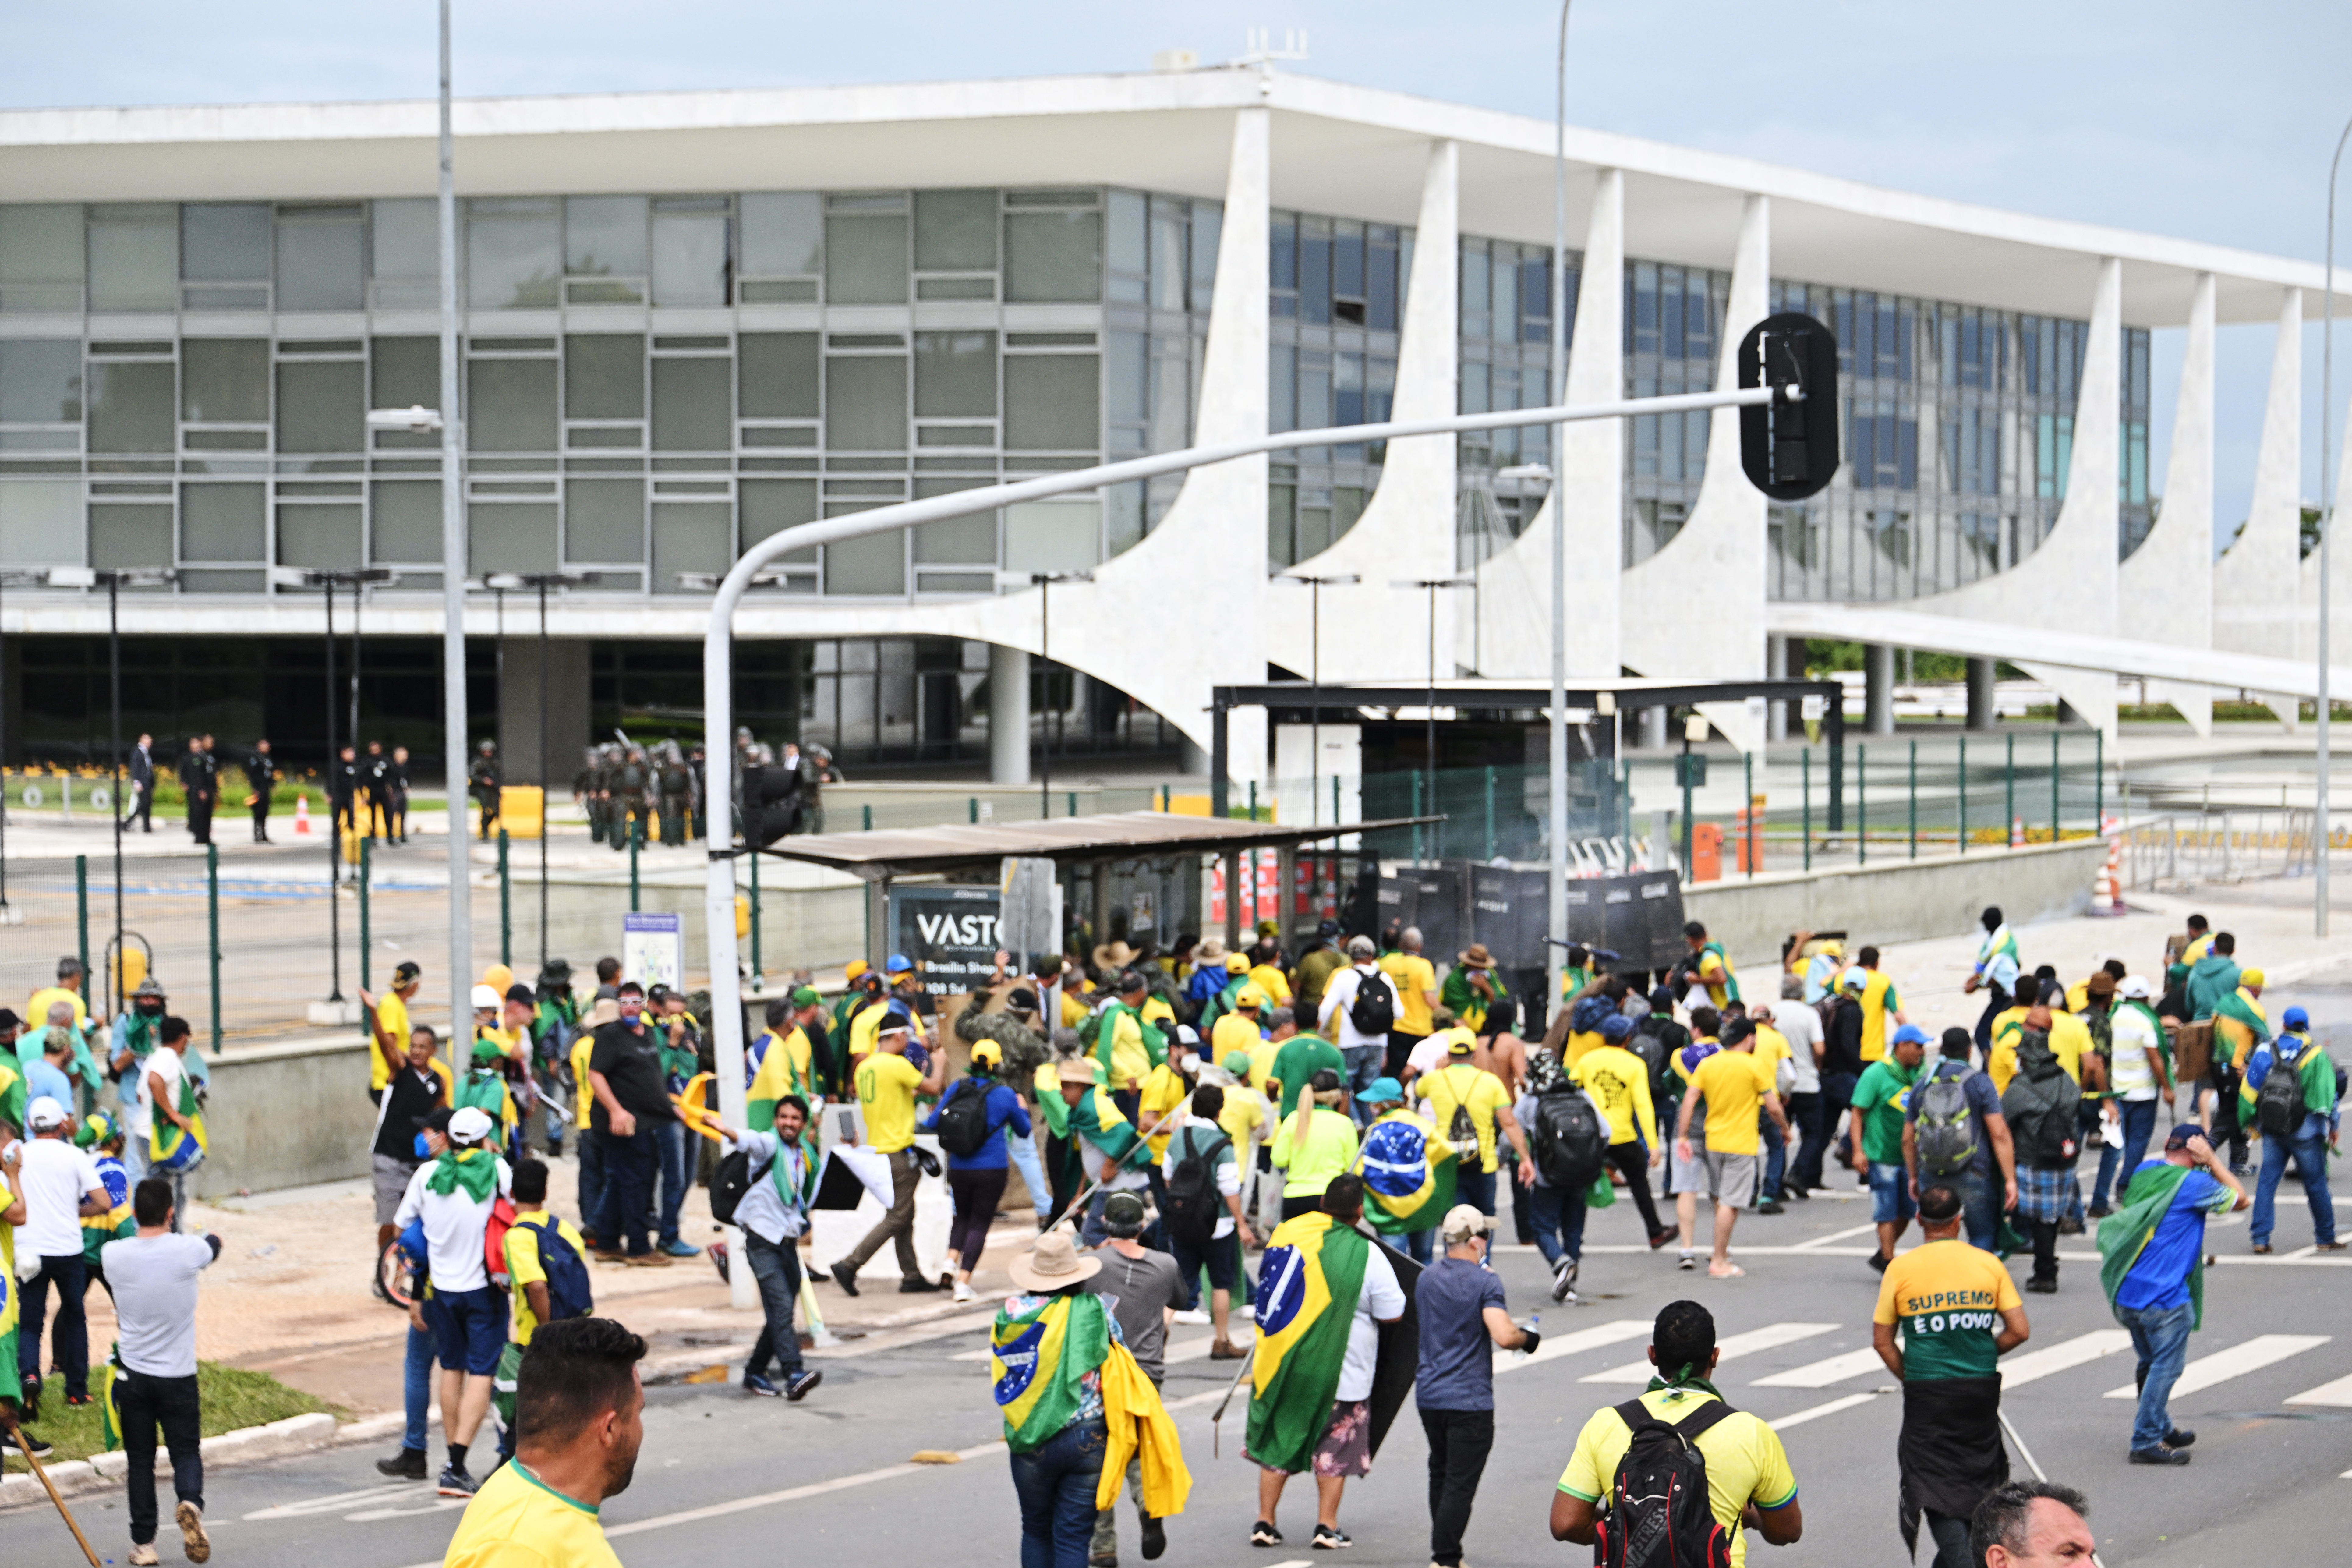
(319, 267)
(783, 233)
(1053, 257)
(407, 521)
(874, 564)
(407, 239)
(513, 255)
(866, 260)
(605, 377)
(511, 538)
(223, 522)
(130, 535)
(225, 242)
(224, 380)
(768, 505)
(955, 231)
(689, 537)
(604, 236)
(1050, 403)
(319, 409)
(691, 405)
(130, 407)
(40, 244)
(866, 403)
(778, 374)
(510, 406)
(955, 373)
(326, 536)
(40, 381)
(604, 520)
(408, 373)
(689, 258)
(135, 266)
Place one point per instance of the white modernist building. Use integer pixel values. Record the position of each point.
(692, 318)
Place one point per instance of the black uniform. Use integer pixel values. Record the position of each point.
(261, 772)
(676, 788)
(142, 804)
(696, 804)
(375, 775)
(343, 788)
(482, 783)
(631, 802)
(200, 778)
(395, 775)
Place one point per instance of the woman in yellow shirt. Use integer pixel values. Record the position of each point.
(1315, 1142)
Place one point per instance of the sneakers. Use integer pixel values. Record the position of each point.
(75, 1400)
(2040, 1287)
(1803, 1195)
(2099, 1211)
(2179, 1438)
(652, 1260)
(142, 1554)
(1689, 1259)
(963, 1291)
(1263, 1533)
(1191, 1315)
(1658, 1238)
(681, 1248)
(408, 1464)
(605, 1255)
(917, 1287)
(30, 1443)
(1155, 1538)
(1328, 1538)
(193, 1539)
(1770, 1205)
(798, 1386)
(1563, 1279)
(845, 1277)
(755, 1384)
(2159, 1457)
(1878, 1261)
(455, 1482)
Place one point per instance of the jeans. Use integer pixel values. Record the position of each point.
(2160, 1339)
(1421, 1245)
(1476, 1188)
(416, 1386)
(628, 1187)
(170, 1403)
(1837, 1093)
(2308, 1146)
(977, 1193)
(1459, 1442)
(1032, 1171)
(1523, 1220)
(1996, 1003)
(2138, 1126)
(592, 1185)
(1776, 1159)
(899, 1225)
(68, 1334)
(1812, 1139)
(1560, 1228)
(777, 1267)
(1980, 1208)
(1951, 1537)
(670, 1149)
(1365, 1063)
(1055, 1482)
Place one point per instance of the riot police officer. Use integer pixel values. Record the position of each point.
(261, 772)
(482, 783)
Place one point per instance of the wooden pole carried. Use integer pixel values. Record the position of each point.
(25, 1446)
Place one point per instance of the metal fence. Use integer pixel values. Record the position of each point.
(2233, 845)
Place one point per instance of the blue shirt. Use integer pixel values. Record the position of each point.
(1004, 1109)
(1458, 1355)
(42, 1077)
(2160, 1277)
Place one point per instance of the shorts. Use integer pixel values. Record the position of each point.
(1345, 1446)
(1731, 1178)
(1687, 1175)
(502, 1389)
(391, 1176)
(1890, 1194)
(1220, 1255)
(470, 1329)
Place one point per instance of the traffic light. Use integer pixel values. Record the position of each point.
(771, 804)
(1789, 447)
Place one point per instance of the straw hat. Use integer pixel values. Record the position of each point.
(1114, 955)
(1081, 1073)
(1476, 956)
(1211, 950)
(1053, 1264)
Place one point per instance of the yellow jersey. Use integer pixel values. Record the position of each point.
(518, 1520)
(1413, 979)
(392, 1021)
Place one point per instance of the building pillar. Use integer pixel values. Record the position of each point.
(1654, 729)
(1782, 657)
(1878, 689)
(1981, 717)
(1008, 715)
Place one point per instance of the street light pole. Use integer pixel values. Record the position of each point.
(453, 579)
(2326, 528)
(1043, 583)
(546, 775)
(1556, 906)
(1314, 587)
(1429, 798)
(114, 762)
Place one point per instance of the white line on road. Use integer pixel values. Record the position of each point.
(2336, 1393)
(1763, 1339)
(1615, 1331)
(1834, 1236)
(1817, 1411)
(369, 1516)
(2062, 1356)
(339, 1499)
(2238, 1359)
(1821, 1373)
(899, 1339)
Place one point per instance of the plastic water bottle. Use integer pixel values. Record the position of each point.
(1535, 1322)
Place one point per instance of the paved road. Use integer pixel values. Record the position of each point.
(723, 1477)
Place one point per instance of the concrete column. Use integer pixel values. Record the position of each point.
(1981, 709)
(2255, 581)
(1654, 729)
(2167, 582)
(1776, 662)
(1878, 689)
(565, 695)
(1008, 715)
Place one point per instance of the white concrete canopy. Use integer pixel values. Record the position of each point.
(2167, 583)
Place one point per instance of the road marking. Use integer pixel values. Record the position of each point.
(369, 1516)
(1568, 1344)
(1821, 1373)
(2238, 1359)
(1817, 1411)
(1835, 1236)
(899, 1339)
(339, 1500)
(2336, 1393)
(1763, 1339)
(2062, 1356)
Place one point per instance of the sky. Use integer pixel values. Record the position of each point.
(2206, 122)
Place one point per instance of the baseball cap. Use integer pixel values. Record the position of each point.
(2180, 1136)
(2296, 1018)
(986, 1053)
(2252, 977)
(897, 964)
(2133, 988)
(1912, 1034)
(806, 996)
(1382, 1091)
(1463, 1221)
(470, 1125)
(1237, 1063)
(1237, 963)
(96, 1129)
(1247, 997)
(1854, 979)
(522, 994)
(483, 996)
(854, 968)
(1123, 1214)
(44, 1113)
(1616, 1028)
(1460, 1042)
(1327, 928)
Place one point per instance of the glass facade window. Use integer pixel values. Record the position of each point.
(40, 383)
(1336, 301)
(41, 256)
(134, 257)
(513, 254)
(319, 250)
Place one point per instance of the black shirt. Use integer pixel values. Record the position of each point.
(1842, 1045)
(631, 1062)
(408, 1098)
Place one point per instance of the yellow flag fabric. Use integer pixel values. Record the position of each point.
(1137, 1420)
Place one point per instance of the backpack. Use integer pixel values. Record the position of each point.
(2040, 1106)
(1657, 1514)
(1373, 1011)
(1190, 1208)
(568, 1294)
(729, 1184)
(963, 1120)
(1461, 1128)
(1947, 1131)
(1568, 1147)
(2278, 1104)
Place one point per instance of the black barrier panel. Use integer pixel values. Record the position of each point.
(1429, 896)
(1660, 896)
(1507, 913)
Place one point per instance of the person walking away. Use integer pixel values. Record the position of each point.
(1248, 1118)
(343, 789)
(971, 1122)
(13, 1213)
(1315, 968)
(1314, 1147)
(375, 779)
(1732, 1082)
(49, 1074)
(1882, 1007)
(175, 1127)
(61, 1187)
(1800, 1026)
(579, 1426)
(1773, 1052)
(454, 1196)
(416, 1361)
(1206, 1229)
(773, 1215)
(153, 1275)
(261, 777)
(1408, 1172)
(631, 1102)
(1874, 1138)
(397, 779)
(1462, 1318)
(2140, 1069)
(2239, 1023)
(388, 1024)
(1360, 1010)
(1687, 1165)
(2152, 1265)
(2031, 1524)
(1128, 1048)
(1472, 1108)
(547, 1272)
(783, 1062)
(1619, 1083)
(132, 1041)
(420, 1087)
(1954, 1133)
(2041, 1106)
(1995, 973)
(1842, 1062)
(1414, 981)
(1747, 1478)
(888, 1087)
(1142, 1289)
(140, 807)
(1957, 1312)
(2300, 1119)
(1316, 1363)
(482, 783)
(101, 1136)
(1568, 1134)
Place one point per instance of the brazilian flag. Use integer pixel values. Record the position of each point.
(173, 1149)
(109, 1406)
(787, 1065)
(2241, 1008)
(2125, 1234)
(1408, 1172)
(1036, 1360)
(1307, 1284)
(1106, 1034)
(14, 1094)
(1098, 1120)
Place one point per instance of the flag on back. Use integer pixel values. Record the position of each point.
(1309, 1280)
(1408, 1173)
(1038, 1362)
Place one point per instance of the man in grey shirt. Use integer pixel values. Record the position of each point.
(1141, 1287)
(1801, 1085)
(153, 1276)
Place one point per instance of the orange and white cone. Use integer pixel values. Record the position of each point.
(2017, 832)
(301, 816)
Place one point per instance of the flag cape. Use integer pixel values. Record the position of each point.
(13, 1095)
(1309, 1280)
(1408, 1172)
(1155, 1043)
(1097, 1119)
(1999, 942)
(2125, 1234)
(781, 1071)
(1036, 1361)
(475, 1170)
(2243, 1009)
(1140, 1427)
(1731, 982)
(116, 1223)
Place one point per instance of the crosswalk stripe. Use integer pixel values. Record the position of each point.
(1763, 1339)
(2336, 1393)
(2034, 1365)
(1834, 1236)
(1817, 1411)
(2238, 1359)
(1821, 1373)
(1615, 1332)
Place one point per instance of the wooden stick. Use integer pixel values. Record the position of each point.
(25, 1446)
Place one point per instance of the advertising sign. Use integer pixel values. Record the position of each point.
(653, 949)
(950, 933)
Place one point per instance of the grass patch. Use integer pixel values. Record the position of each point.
(229, 1398)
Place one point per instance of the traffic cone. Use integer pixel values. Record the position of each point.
(2108, 887)
(2017, 832)
(301, 816)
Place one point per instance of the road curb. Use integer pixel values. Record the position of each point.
(295, 1435)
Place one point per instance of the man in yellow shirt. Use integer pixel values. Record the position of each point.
(2070, 1039)
(887, 1085)
(579, 1423)
(66, 990)
(1748, 1474)
(1732, 1081)
(1240, 1029)
(1265, 970)
(1463, 1086)
(1414, 981)
(1879, 1004)
(1619, 1083)
(529, 1241)
(388, 1020)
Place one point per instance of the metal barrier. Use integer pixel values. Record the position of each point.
(2232, 845)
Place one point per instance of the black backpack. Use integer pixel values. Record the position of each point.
(2278, 1104)
(963, 1120)
(1373, 1010)
(2040, 1106)
(1191, 1209)
(1569, 1148)
(1657, 1514)
(568, 1292)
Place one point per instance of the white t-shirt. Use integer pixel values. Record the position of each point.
(1801, 1027)
(54, 1178)
(453, 1227)
(153, 1279)
(164, 1063)
(1338, 994)
(1380, 1299)
(1430, 1054)
(1228, 1171)
(2134, 1036)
